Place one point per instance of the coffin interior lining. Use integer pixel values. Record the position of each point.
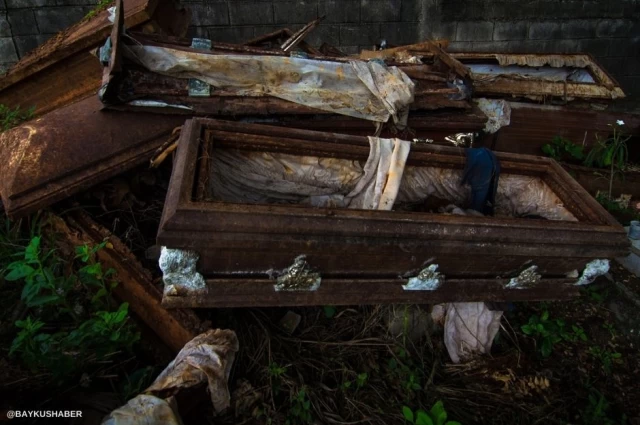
(255, 177)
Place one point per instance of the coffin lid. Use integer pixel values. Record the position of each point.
(71, 149)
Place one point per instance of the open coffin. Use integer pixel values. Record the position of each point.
(244, 198)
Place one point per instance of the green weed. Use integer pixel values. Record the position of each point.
(436, 416)
(300, 410)
(102, 5)
(597, 411)
(9, 118)
(71, 320)
(562, 149)
(549, 332)
(606, 357)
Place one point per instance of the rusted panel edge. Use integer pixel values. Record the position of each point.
(81, 36)
(607, 85)
(174, 327)
(259, 292)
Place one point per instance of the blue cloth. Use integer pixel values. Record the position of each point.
(482, 172)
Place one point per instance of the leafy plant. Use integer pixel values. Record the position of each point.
(606, 357)
(9, 118)
(300, 411)
(71, 321)
(596, 294)
(610, 152)
(436, 416)
(329, 311)
(407, 372)
(360, 382)
(549, 332)
(562, 149)
(611, 328)
(597, 411)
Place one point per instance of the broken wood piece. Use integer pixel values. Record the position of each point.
(174, 327)
(299, 36)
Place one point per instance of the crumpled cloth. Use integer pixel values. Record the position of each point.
(378, 188)
(145, 410)
(206, 358)
(482, 173)
(264, 177)
(469, 328)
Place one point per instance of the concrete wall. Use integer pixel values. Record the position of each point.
(608, 29)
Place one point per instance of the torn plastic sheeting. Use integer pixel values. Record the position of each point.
(207, 358)
(593, 270)
(367, 90)
(469, 328)
(179, 271)
(498, 113)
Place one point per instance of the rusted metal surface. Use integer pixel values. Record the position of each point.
(431, 81)
(532, 126)
(296, 38)
(239, 243)
(174, 327)
(63, 70)
(73, 148)
(436, 48)
(605, 86)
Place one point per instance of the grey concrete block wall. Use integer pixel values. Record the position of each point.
(607, 29)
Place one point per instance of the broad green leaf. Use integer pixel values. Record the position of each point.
(19, 270)
(32, 252)
(408, 413)
(44, 299)
(545, 315)
(329, 311)
(438, 413)
(453, 423)
(422, 418)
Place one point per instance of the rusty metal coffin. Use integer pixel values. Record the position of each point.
(70, 149)
(130, 83)
(63, 70)
(539, 76)
(361, 254)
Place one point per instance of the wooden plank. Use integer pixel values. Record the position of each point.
(174, 327)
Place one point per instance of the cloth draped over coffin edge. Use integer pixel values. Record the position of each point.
(368, 90)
